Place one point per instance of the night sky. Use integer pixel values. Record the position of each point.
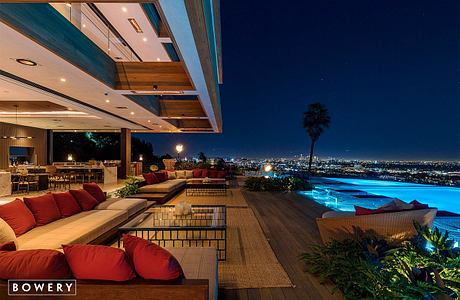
(387, 70)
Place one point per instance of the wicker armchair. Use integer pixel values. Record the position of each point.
(394, 225)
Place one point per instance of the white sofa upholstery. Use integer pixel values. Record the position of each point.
(199, 263)
(131, 205)
(80, 228)
(163, 187)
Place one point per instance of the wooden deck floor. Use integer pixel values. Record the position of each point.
(288, 222)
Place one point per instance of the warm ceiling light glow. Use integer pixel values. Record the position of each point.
(26, 62)
(148, 121)
(84, 25)
(63, 80)
(132, 113)
(124, 9)
(107, 101)
(68, 5)
(158, 59)
(135, 25)
(144, 39)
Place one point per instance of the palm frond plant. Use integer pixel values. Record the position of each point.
(315, 121)
(131, 187)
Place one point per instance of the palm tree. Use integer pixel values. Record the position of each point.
(315, 120)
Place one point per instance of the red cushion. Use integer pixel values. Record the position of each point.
(8, 246)
(150, 260)
(221, 174)
(205, 173)
(18, 216)
(418, 205)
(197, 173)
(94, 191)
(98, 262)
(162, 176)
(67, 204)
(44, 208)
(366, 211)
(213, 173)
(150, 178)
(33, 264)
(84, 199)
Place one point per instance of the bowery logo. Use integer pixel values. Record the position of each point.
(50, 287)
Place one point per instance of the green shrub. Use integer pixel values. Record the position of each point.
(259, 184)
(131, 187)
(370, 268)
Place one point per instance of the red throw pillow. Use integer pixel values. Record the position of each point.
(98, 262)
(84, 199)
(44, 208)
(221, 174)
(94, 190)
(150, 178)
(67, 204)
(162, 176)
(205, 173)
(8, 246)
(150, 260)
(197, 173)
(418, 205)
(33, 264)
(213, 173)
(366, 211)
(18, 216)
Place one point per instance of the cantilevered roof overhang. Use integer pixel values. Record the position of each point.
(73, 67)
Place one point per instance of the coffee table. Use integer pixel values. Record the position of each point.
(206, 226)
(206, 188)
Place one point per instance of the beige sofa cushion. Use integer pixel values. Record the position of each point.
(180, 174)
(199, 263)
(81, 228)
(7, 233)
(163, 187)
(188, 174)
(172, 175)
(131, 205)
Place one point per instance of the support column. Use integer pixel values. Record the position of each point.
(125, 153)
(49, 147)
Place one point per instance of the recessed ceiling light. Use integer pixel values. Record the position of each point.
(158, 59)
(68, 5)
(135, 25)
(63, 80)
(144, 39)
(148, 121)
(26, 62)
(84, 25)
(132, 113)
(107, 101)
(124, 9)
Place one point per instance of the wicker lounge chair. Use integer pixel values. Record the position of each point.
(393, 225)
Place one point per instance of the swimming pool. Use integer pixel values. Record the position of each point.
(441, 197)
(344, 193)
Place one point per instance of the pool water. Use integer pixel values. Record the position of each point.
(344, 193)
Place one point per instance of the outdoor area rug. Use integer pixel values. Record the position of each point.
(234, 198)
(250, 262)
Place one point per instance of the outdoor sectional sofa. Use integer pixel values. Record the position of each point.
(169, 183)
(99, 224)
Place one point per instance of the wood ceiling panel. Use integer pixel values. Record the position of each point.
(181, 108)
(142, 76)
(30, 106)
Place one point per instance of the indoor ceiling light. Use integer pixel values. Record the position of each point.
(68, 5)
(148, 121)
(135, 25)
(107, 101)
(144, 39)
(132, 113)
(84, 25)
(158, 59)
(63, 80)
(26, 62)
(124, 9)
(16, 136)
